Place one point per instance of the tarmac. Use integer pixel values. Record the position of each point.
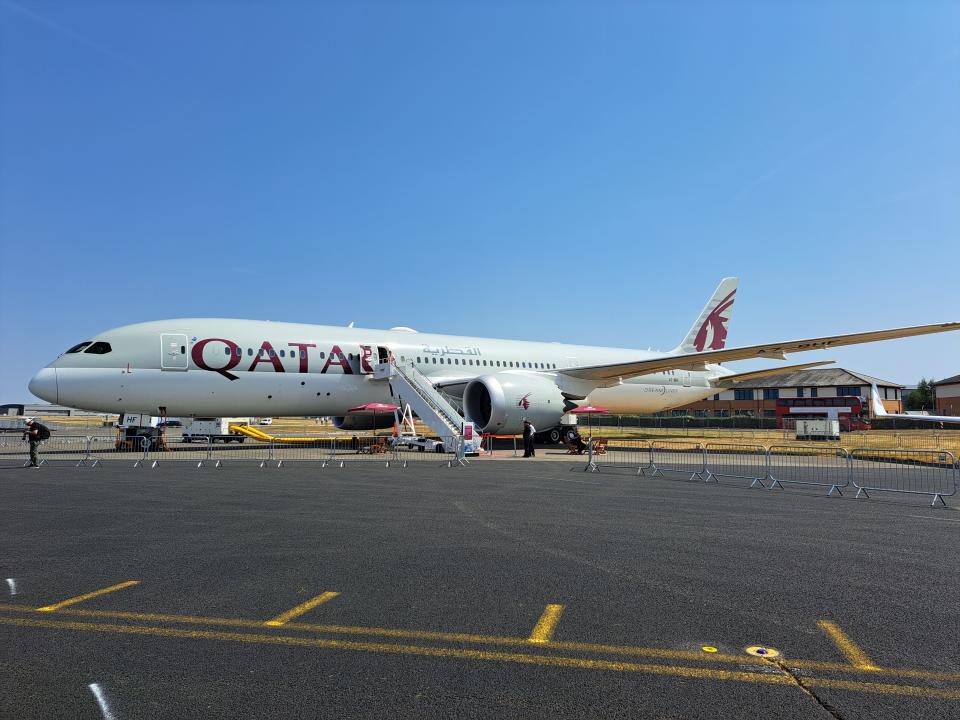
(522, 589)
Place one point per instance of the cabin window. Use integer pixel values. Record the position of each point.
(418, 359)
(226, 351)
(322, 355)
(99, 348)
(283, 353)
(78, 348)
(456, 361)
(272, 353)
(303, 354)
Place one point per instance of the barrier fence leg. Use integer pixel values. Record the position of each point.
(86, 454)
(462, 451)
(703, 464)
(591, 465)
(710, 476)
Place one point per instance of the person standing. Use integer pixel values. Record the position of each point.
(34, 434)
(528, 432)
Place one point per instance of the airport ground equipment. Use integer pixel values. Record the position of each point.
(412, 388)
(408, 438)
(818, 429)
(216, 429)
(257, 434)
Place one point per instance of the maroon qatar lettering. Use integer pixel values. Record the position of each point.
(197, 354)
(304, 354)
(267, 354)
(337, 357)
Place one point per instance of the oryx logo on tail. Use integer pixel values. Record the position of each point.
(525, 402)
(715, 326)
(709, 332)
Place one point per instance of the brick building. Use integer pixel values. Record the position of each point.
(759, 397)
(948, 396)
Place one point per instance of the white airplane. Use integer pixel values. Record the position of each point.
(216, 367)
(880, 411)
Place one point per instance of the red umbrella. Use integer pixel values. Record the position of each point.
(589, 410)
(374, 408)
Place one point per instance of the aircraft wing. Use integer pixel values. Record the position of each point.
(777, 350)
(756, 374)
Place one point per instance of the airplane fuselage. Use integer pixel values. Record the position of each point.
(211, 367)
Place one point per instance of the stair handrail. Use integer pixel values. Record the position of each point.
(430, 395)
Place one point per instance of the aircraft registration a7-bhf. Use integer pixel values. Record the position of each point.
(217, 367)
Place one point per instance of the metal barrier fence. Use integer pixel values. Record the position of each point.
(681, 457)
(809, 465)
(746, 462)
(150, 452)
(618, 453)
(917, 472)
(913, 471)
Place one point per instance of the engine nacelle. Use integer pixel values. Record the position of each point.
(363, 422)
(499, 403)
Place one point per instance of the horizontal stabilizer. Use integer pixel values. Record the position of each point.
(757, 374)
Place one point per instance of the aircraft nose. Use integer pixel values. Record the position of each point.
(44, 385)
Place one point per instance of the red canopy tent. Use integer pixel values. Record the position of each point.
(589, 410)
(375, 408)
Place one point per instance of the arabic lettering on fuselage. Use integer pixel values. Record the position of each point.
(447, 350)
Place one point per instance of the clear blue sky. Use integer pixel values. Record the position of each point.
(577, 172)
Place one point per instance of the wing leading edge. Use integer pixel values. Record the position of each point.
(777, 350)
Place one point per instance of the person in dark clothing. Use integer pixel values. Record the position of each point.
(34, 433)
(528, 432)
(574, 440)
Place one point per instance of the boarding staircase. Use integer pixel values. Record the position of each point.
(413, 388)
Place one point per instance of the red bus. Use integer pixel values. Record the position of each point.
(851, 411)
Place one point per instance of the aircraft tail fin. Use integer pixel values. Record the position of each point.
(878, 409)
(709, 332)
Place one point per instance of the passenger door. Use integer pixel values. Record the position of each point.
(173, 351)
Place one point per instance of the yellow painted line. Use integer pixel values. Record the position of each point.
(543, 630)
(488, 655)
(660, 653)
(897, 672)
(300, 609)
(88, 596)
(851, 651)
(884, 688)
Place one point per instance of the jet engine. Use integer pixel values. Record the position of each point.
(363, 422)
(499, 403)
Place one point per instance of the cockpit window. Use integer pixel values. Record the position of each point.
(99, 348)
(78, 348)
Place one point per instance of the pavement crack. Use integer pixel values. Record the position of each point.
(798, 681)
